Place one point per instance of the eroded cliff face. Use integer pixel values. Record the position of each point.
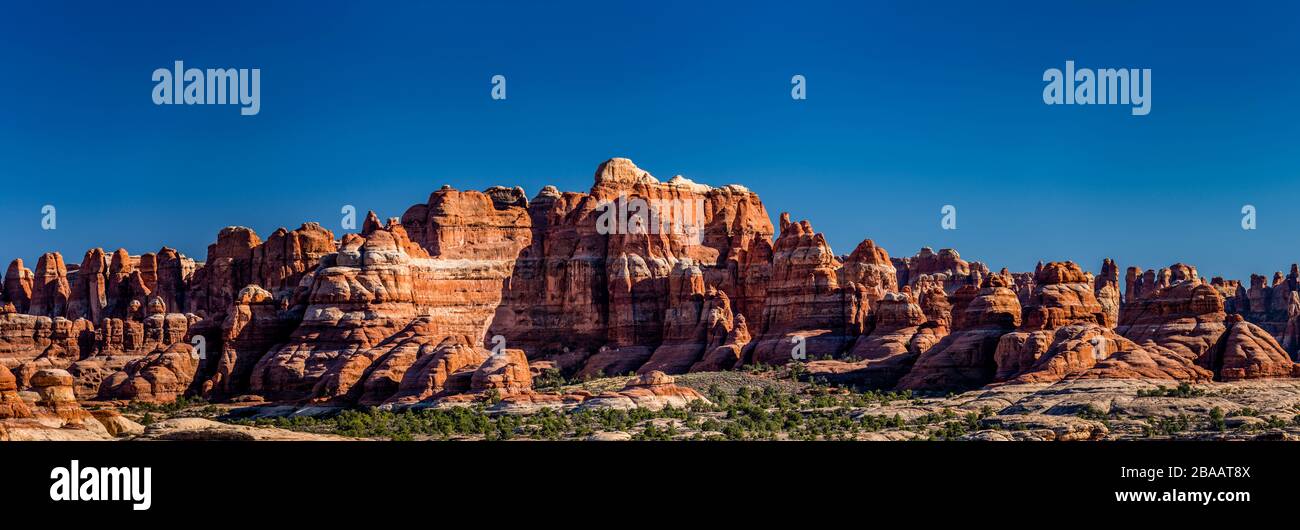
(966, 357)
(807, 313)
(455, 299)
(594, 288)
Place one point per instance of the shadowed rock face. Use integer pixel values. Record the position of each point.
(965, 358)
(696, 324)
(897, 319)
(636, 275)
(901, 332)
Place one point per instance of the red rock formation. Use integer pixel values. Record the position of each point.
(965, 358)
(897, 319)
(50, 289)
(378, 283)
(228, 270)
(1066, 332)
(1291, 333)
(1106, 289)
(636, 275)
(934, 303)
(591, 290)
(360, 296)
(456, 375)
(697, 322)
(881, 358)
(25, 338)
(1184, 318)
(686, 221)
(1274, 307)
(505, 373)
(174, 273)
(280, 263)
(118, 292)
(652, 390)
(11, 404)
(870, 267)
(254, 324)
(58, 402)
(411, 369)
(18, 286)
(1063, 295)
(1174, 319)
(160, 376)
(1069, 351)
(729, 352)
(556, 298)
(469, 225)
(1249, 352)
(1023, 284)
(88, 297)
(945, 269)
(805, 305)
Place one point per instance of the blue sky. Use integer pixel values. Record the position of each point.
(911, 106)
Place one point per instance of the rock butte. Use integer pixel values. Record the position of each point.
(404, 312)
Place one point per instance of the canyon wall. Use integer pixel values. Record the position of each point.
(635, 275)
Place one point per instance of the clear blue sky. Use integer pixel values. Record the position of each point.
(911, 106)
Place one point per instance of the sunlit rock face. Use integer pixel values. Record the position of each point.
(466, 293)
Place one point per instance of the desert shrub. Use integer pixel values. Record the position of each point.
(1216, 420)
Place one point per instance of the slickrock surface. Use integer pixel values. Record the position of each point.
(181, 429)
(1071, 410)
(636, 275)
